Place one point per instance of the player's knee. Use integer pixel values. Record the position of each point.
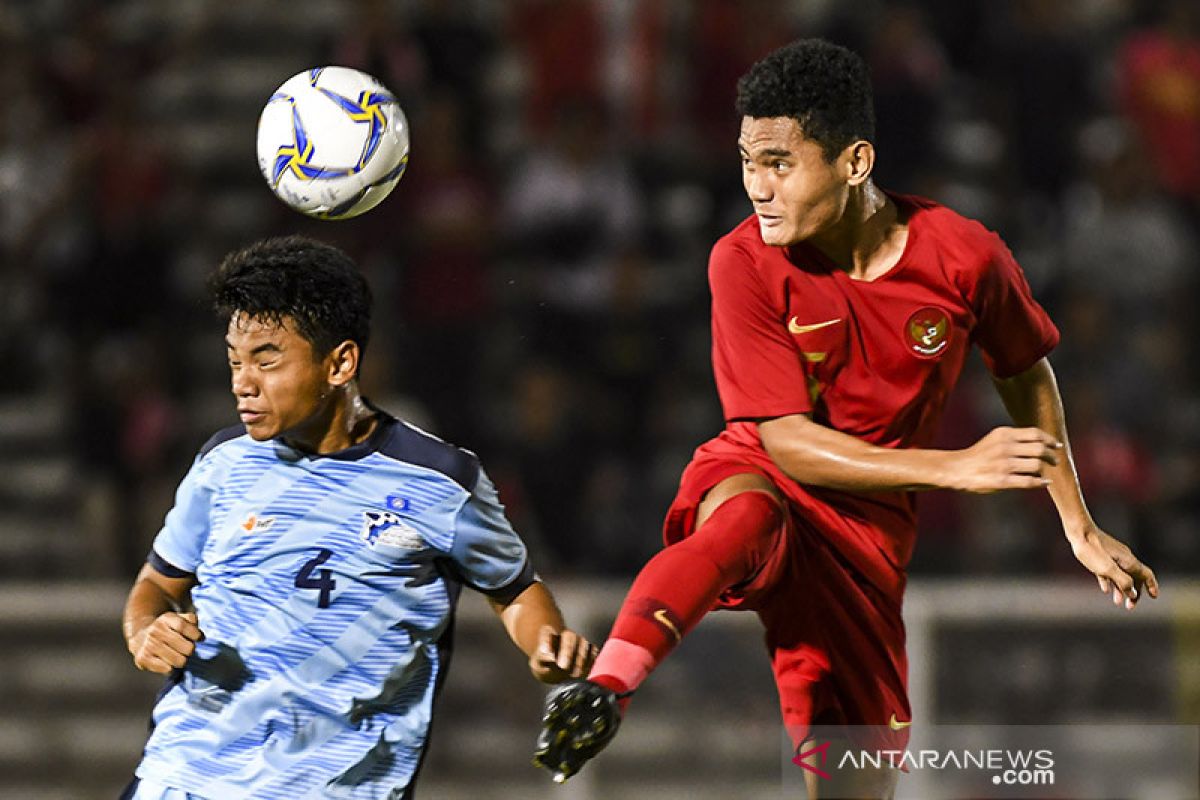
(736, 486)
(745, 526)
(766, 510)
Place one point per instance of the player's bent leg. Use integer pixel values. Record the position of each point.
(868, 783)
(739, 525)
(732, 487)
(741, 521)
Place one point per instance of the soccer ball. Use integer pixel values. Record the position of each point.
(332, 142)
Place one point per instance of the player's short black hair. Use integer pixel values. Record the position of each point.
(823, 86)
(315, 284)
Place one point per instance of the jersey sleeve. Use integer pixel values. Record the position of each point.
(178, 546)
(1012, 330)
(758, 370)
(487, 552)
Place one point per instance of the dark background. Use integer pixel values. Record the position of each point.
(540, 270)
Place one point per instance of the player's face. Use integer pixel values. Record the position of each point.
(280, 384)
(796, 192)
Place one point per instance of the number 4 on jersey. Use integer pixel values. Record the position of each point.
(324, 582)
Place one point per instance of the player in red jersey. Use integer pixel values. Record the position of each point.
(842, 316)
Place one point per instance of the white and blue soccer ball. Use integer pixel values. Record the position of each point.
(332, 142)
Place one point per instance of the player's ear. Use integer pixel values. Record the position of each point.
(342, 363)
(858, 160)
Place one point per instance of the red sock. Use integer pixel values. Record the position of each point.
(678, 587)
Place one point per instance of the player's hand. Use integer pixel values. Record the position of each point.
(1007, 458)
(1116, 568)
(561, 655)
(165, 643)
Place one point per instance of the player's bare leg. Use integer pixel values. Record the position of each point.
(869, 783)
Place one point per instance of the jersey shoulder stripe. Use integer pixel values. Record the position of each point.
(396, 439)
(408, 443)
(220, 437)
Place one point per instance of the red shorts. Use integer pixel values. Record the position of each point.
(836, 639)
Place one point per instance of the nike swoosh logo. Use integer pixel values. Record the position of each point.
(661, 616)
(795, 327)
(897, 725)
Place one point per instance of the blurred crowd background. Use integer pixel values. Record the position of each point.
(540, 272)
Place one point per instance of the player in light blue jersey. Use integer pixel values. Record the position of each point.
(301, 591)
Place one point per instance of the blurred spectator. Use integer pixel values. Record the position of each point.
(120, 281)
(74, 66)
(1135, 254)
(444, 289)
(644, 72)
(727, 37)
(552, 455)
(1122, 239)
(908, 71)
(560, 45)
(456, 47)
(571, 195)
(1039, 74)
(1159, 76)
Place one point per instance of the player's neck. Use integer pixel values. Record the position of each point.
(346, 420)
(868, 240)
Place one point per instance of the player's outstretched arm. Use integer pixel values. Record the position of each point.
(159, 637)
(536, 626)
(1032, 398)
(813, 454)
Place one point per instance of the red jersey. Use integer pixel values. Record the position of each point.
(793, 334)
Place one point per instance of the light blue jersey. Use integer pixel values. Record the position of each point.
(326, 586)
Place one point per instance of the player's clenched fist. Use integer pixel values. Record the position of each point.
(561, 655)
(1007, 458)
(165, 643)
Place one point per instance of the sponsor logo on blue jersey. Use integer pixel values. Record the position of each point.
(255, 523)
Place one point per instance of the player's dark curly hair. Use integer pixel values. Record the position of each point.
(824, 87)
(315, 284)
